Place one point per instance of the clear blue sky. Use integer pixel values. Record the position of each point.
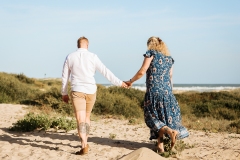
(202, 36)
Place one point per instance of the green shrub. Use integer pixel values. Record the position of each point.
(185, 109)
(42, 121)
(32, 122)
(236, 125)
(21, 77)
(133, 94)
(53, 99)
(63, 123)
(219, 105)
(225, 113)
(13, 91)
(113, 101)
(202, 109)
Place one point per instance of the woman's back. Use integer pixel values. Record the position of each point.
(158, 74)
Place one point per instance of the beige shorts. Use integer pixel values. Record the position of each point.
(82, 101)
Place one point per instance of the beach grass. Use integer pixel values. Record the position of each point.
(33, 121)
(207, 111)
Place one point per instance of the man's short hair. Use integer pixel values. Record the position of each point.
(80, 40)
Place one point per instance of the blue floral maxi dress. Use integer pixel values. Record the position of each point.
(160, 105)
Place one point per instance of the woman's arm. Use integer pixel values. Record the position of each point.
(146, 63)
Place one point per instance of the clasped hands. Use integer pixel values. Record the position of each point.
(126, 84)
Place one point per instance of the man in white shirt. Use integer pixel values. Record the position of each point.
(82, 65)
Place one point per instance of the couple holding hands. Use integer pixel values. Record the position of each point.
(161, 109)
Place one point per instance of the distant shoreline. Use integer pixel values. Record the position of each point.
(180, 88)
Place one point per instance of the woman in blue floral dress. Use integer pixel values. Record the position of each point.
(161, 109)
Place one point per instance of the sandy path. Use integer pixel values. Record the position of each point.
(60, 145)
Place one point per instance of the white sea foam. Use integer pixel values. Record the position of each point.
(203, 89)
(194, 88)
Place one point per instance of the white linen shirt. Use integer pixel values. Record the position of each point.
(82, 65)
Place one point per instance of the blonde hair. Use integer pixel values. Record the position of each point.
(155, 43)
(81, 40)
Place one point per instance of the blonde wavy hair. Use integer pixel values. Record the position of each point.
(155, 43)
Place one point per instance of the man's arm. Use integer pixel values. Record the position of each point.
(65, 76)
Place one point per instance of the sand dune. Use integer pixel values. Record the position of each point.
(129, 142)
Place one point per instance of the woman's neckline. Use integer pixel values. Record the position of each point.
(162, 53)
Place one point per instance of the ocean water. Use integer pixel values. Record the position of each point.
(192, 87)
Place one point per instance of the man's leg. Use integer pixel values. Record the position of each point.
(83, 104)
(88, 124)
(90, 100)
(79, 103)
(82, 127)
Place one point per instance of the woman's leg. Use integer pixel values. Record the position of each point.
(172, 133)
(160, 145)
